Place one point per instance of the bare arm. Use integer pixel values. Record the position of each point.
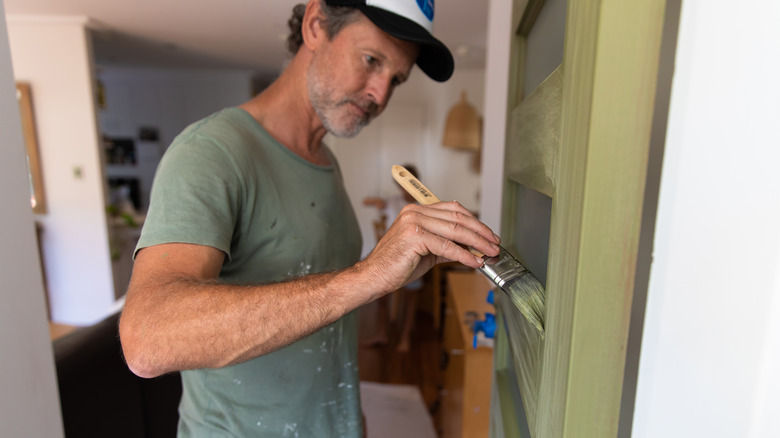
(178, 316)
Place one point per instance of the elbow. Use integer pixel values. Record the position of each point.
(141, 371)
(139, 355)
(140, 367)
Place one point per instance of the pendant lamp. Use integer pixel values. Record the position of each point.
(463, 129)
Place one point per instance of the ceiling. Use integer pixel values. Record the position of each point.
(223, 33)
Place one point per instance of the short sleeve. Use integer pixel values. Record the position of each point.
(195, 196)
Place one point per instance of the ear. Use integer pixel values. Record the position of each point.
(312, 31)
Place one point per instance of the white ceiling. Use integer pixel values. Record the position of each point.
(223, 33)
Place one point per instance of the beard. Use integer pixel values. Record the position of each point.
(336, 115)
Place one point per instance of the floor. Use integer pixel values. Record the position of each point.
(392, 410)
(420, 366)
(59, 330)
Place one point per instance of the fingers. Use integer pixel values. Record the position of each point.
(451, 225)
(422, 236)
(446, 250)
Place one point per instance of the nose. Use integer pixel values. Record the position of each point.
(380, 88)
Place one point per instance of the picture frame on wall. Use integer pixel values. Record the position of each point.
(37, 193)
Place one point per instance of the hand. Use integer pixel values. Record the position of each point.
(423, 236)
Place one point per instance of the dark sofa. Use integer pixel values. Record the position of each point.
(100, 397)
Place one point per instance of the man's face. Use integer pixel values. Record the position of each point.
(352, 77)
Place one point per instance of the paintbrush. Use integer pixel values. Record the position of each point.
(504, 270)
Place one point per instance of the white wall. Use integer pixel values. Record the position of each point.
(164, 99)
(168, 99)
(496, 104)
(29, 405)
(711, 346)
(446, 170)
(410, 130)
(55, 57)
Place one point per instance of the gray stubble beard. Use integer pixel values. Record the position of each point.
(324, 107)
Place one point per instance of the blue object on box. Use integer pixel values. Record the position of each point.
(490, 297)
(486, 326)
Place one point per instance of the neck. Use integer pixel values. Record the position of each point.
(285, 112)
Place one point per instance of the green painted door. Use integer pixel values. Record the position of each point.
(575, 165)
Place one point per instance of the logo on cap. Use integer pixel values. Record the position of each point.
(426, 6)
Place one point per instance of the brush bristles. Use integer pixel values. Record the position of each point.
(527, 294)
(523, 288)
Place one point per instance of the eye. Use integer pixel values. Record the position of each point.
(370, 60)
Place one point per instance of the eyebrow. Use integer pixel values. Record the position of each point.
(401, 77)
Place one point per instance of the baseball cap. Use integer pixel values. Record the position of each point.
(409, 20)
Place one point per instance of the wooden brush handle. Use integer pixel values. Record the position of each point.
(413, 185)
(419, 192)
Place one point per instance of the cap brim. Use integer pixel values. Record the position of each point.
(434, 58)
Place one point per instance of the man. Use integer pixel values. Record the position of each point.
(247, 274)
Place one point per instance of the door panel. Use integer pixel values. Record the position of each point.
(532, 142)
(534, 135)
(544, 44)
(532, 146)
(508, 415)
(579, 142)
(533, 211)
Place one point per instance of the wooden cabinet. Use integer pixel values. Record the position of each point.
(465, 400)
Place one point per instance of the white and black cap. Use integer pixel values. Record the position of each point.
(409, 20)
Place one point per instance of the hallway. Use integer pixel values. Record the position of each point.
(420, 366)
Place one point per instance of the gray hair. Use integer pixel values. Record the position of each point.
(333, 19)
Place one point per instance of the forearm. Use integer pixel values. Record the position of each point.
(178, 317)
(186, 323)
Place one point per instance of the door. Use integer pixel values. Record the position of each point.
(575, 164)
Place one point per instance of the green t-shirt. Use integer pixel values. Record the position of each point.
(226, 183)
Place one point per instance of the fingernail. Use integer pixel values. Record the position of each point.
(498, 239)
(480, 261)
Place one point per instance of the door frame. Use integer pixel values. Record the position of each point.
(610, 66)
(611, 58)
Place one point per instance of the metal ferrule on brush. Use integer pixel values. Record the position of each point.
(502, 268)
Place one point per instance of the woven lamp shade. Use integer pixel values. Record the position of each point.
(463, 129)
